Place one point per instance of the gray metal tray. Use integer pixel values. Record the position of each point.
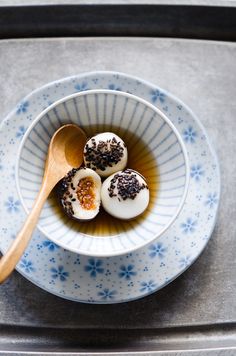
(196, 314)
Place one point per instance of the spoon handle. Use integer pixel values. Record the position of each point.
(17, 248)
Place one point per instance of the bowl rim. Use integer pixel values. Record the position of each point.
(127, 95)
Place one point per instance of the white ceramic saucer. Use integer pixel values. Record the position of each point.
(122, 278)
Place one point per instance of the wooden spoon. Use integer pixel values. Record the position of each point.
(64, 153)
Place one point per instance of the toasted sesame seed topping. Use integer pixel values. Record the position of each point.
(103, 154)
(84, 192)
(128, 186)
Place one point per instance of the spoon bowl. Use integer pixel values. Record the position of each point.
(65, 150)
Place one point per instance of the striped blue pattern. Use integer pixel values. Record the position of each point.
(119, 110)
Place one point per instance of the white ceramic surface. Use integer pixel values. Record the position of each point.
(120, 111)
(131, 276)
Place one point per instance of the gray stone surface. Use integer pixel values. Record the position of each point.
(203, 75)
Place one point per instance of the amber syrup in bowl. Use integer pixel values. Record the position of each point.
(142, 160)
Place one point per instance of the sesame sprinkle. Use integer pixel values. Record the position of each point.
(103, 154)
(84, 192)
(128, 186)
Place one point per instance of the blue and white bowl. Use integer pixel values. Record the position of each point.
(118, 112)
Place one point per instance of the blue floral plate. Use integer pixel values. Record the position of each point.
(121, 278)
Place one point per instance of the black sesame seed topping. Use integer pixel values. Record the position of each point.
(128, 186)
(64, 193)
(103, 154)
